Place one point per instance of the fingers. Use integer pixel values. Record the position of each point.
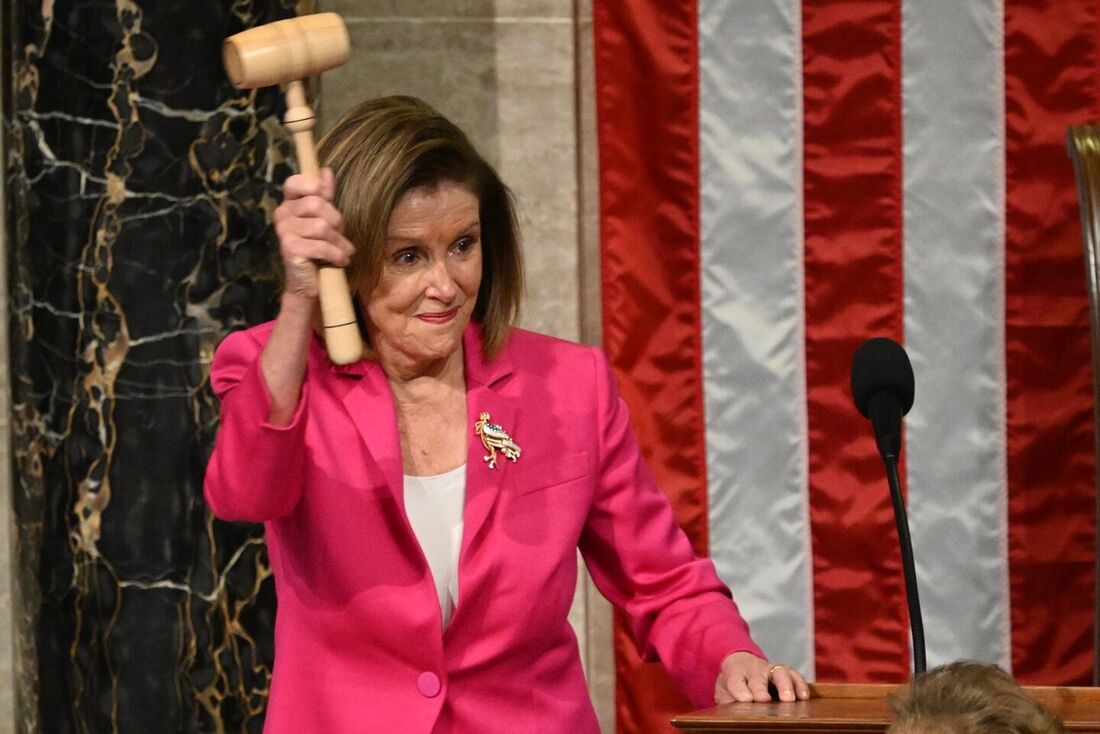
(721, 693)
(758, 685)
(735, 687)
(310, 197)
(299, 185)
(745, 678)
(328, 184)
(789, 683)
(801, 688)
(784, 682)
(312, 238)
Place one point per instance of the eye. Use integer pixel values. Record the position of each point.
(406, 257)
(465, 244)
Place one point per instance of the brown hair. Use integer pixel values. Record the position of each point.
(969, 698)
(383, 148)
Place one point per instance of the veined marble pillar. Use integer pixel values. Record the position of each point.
(140, 184)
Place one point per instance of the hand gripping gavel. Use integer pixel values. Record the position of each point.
(286, 52)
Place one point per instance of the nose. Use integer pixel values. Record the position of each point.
(441, 283)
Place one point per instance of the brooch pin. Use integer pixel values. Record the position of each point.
(494, 437)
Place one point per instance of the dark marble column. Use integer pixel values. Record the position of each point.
(140, 187)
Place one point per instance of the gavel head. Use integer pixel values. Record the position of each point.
(285, 50)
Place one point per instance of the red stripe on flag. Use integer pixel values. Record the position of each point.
(853, 203)
(1050, 82)
(647, 118)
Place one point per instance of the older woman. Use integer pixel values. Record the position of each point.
(423, 506)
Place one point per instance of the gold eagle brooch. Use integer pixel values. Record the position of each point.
(494, 438)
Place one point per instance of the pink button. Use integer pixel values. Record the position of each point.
(429, 685)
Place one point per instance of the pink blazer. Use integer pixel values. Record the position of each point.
(359, 645)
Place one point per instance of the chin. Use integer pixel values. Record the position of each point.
(439, 348)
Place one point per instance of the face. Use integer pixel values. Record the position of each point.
(430, 276)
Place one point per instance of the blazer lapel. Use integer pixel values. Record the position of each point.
(370, 405)
(484, 383)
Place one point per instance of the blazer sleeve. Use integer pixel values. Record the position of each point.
(679, 610)
(257, 469)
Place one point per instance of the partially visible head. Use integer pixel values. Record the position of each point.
(387, 147)
(969, 698)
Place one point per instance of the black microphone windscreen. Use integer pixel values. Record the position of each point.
(881, 364)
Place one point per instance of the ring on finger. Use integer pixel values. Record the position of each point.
(772, 669)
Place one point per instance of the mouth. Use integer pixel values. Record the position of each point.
(438, 318)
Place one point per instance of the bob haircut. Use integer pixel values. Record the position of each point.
(387, 146)
(968, 697)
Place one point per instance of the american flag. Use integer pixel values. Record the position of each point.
(780, 181)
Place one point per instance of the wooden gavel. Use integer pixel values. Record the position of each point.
(286, 52)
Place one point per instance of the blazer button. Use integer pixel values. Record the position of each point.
(429, 685)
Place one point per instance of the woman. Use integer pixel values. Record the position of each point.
(423, 506)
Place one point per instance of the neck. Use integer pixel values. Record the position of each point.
(411, 378)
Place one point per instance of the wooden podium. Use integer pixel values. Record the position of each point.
(840, 707)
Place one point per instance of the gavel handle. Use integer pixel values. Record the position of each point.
(337, 315)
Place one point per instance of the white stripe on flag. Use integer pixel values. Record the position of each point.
(750, 72)
(953, 87)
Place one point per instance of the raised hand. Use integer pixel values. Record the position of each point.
(310, 231)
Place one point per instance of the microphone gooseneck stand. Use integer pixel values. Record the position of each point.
(916, 622)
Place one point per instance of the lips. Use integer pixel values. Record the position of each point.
(438, 318)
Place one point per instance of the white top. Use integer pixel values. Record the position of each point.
(434, 507)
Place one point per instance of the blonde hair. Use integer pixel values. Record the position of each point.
(969, 698)
(385, 147)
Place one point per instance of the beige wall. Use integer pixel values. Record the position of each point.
(517, 76)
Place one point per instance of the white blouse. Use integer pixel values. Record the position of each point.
(434, 506)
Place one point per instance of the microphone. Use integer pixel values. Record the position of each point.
(883, 388)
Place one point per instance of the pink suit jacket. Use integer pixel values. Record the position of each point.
(359, 645)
